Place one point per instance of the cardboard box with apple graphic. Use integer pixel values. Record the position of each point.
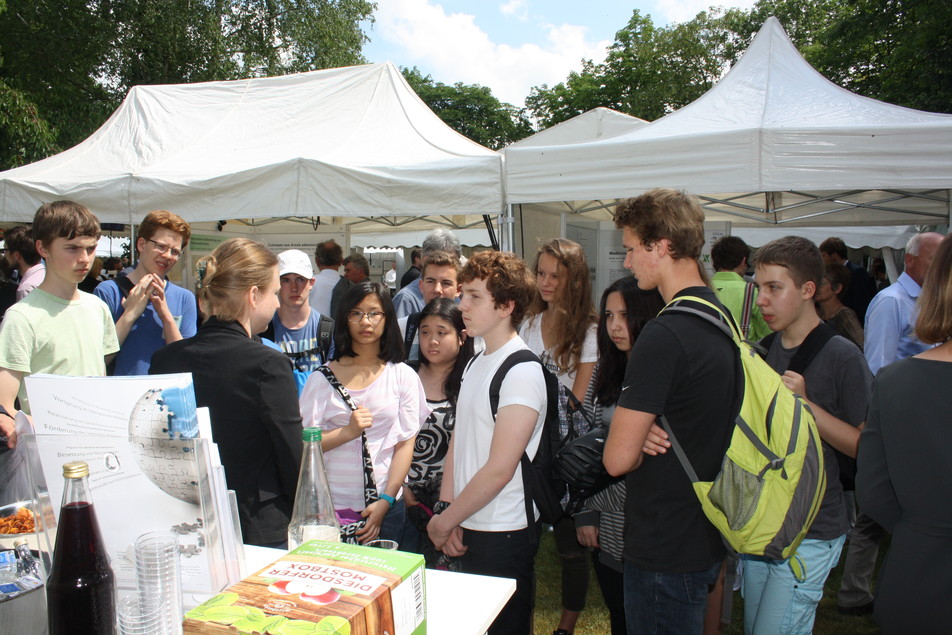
(330, 588)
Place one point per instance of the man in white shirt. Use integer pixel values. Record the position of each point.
(485, 522)
(390, 278)
(329, 286)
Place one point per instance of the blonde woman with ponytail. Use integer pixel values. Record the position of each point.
(248, 387)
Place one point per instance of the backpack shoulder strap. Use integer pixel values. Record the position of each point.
(519, 357)
(807, 350)
(325, 333)
(767, 342)
(125, 285)
(707, 311)
(413, 323)
(812, 345)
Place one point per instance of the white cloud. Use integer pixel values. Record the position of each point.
(452, 48)
(684, 10)
(515, 8)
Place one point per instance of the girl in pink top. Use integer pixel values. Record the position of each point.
(391, 407)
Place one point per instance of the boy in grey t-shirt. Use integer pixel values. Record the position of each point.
(837, 385)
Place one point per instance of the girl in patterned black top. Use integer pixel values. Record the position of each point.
(444, 352)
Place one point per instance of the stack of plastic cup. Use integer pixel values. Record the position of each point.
(132, 621)
(159, 581)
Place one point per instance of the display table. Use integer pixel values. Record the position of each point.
(456, 603)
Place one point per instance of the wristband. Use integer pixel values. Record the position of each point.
(390, 499)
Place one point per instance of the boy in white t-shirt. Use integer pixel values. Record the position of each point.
(485, 522)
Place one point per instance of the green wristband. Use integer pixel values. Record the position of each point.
(390, 499)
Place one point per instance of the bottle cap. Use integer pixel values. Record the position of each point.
(75, 469)
(311, 435)
(20, 541)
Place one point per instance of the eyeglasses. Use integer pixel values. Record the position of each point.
(162, 249)
(354, 317)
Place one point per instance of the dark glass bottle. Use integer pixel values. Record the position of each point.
(81, 588)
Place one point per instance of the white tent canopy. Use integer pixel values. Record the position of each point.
(597, 123)
(345, 143)
(772, 142)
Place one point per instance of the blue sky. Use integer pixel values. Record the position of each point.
(509, 45)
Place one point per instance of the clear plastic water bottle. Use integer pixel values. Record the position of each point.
(313, 515)
(28, 568)
(8, 574)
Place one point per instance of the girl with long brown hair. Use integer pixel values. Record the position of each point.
(560, 329)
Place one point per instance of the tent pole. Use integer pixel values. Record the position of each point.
(948, 201)
(506, 223)
(133, 254)
(492, 232)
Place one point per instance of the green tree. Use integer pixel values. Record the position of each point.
(898, 51)
(24, 135)
(471, 110)
(76, 59)
(648, 72)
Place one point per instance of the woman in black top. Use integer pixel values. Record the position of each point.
(902, 480)
(248, 387)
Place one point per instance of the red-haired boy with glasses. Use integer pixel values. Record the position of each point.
(148, 309)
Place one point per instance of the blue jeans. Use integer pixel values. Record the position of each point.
(775, 602)
(391, 528)
(657, 603)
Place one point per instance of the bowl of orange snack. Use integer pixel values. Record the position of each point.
(16, 519)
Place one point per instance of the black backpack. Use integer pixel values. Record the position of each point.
(325, 333)
(565, 419)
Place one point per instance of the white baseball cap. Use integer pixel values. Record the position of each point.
(295, 261)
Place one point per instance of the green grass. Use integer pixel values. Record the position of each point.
(594, 619)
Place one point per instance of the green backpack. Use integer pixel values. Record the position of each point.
(772, 480)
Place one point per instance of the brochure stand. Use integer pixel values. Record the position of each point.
(151, 468)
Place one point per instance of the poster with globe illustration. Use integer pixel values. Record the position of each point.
(152, 467)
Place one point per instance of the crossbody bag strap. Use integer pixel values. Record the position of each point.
(370, 481)
(413, 323)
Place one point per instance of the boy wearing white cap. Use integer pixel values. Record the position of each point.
(299, 331)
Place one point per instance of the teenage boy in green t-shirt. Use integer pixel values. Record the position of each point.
(57, 328)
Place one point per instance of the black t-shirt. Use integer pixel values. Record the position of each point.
(686, 369)
(409, 276)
